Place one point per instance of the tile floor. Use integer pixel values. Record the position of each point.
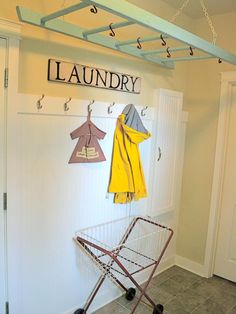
(182, 292)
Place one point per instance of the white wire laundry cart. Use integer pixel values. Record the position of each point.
(123, 248)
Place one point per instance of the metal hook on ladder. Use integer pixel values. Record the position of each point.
(112, 33)
(94, 9)
(191, 51)
(168, 52)
(139, 46)
(163, 40)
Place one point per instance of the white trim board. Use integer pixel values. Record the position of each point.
(27, 104)
(228, 79)
(11, 32)
(189, 265)
(10, 28)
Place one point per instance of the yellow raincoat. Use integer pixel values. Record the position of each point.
(127, 178)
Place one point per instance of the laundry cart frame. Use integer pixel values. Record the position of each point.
(115, 260)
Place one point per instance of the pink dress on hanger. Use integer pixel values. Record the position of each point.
(87, 148)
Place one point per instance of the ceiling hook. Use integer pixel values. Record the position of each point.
(112, 33)
(39, 105)
(143, 114)
(168, 52)
(139, 46)
(191, 51)
(66, 108)
(163, 40)
(89, 106)
(109, 108)
(94, 9)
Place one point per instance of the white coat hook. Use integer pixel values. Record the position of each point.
(66, 108)
(143, 114)
(109, 108)
(89, 106)
(39, 105)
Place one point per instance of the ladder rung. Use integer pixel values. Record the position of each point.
(189, 58)
(142, 40)
(155, 59)
(152, 52)
(105, 28)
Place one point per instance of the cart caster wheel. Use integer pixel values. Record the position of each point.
(158, 309)
(130, 294)
(79, 311)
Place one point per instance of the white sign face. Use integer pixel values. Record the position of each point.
(71, 73)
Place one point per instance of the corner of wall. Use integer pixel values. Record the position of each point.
(187, 264)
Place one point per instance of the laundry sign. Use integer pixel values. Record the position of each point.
(72, 73)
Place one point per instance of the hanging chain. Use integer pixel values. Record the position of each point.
(183, 6)
(214, 34)
(209, 21)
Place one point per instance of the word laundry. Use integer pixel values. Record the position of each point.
(70, 73)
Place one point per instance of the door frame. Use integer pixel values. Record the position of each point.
(10, 31)
(228, 80)
(3, 270)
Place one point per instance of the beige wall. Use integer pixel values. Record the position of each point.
(202, 103)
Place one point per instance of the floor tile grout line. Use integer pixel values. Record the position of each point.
(128, 303)
(199, 305)
(231, 308)
(188, 288)
(121, 305)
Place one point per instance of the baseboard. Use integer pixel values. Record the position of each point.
(189, 265)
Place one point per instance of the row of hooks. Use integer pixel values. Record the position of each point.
(139, 46)
(168, 49)
(67, 108)
(94, 10)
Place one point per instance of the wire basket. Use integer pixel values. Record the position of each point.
(123, 248)
(137, 243)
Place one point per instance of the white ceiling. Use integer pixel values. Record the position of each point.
(213, 6)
